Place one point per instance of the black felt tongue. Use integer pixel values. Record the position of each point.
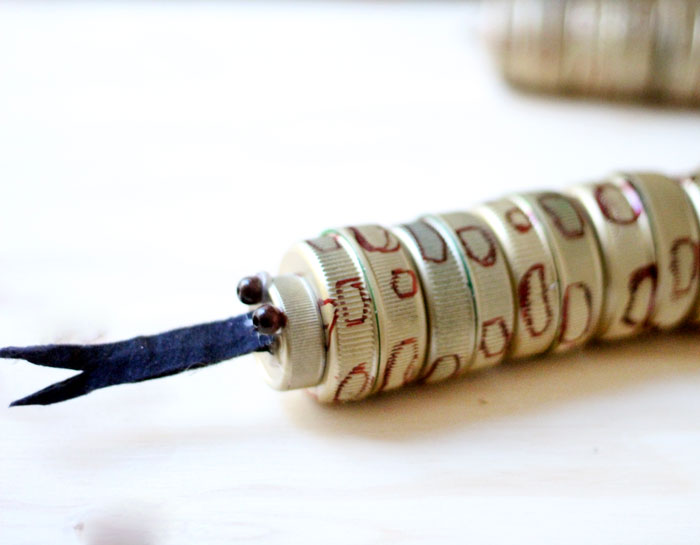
(140, 358)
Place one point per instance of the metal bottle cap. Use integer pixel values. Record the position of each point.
(348, 314)
(627, 248)
(298, 358)
(533, 272)
(574, 246)
(448, 297)
(398, 303)
(674, 231)
(486, 267)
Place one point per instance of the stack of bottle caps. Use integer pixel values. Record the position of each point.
(370, 309)
(619, 48)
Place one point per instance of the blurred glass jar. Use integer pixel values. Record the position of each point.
(646, 49)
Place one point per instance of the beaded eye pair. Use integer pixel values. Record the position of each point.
(267, 319)
(366, 309)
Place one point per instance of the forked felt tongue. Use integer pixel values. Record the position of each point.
(140, 358)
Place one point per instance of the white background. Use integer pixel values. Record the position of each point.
(153, 153)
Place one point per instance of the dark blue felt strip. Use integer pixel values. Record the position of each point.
(140, 358)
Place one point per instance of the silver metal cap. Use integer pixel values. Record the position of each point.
(298, 358)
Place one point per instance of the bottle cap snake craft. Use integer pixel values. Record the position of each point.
(647, 49)
(365, 309)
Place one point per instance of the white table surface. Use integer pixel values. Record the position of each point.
(153, 153)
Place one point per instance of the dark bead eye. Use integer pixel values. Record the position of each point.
(250, 290)
(269, 319)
